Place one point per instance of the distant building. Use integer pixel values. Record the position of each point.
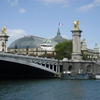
(35, 44)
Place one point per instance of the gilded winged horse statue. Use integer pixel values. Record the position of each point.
(3, 30)
(76, 23)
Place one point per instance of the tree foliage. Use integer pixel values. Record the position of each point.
(64, 49)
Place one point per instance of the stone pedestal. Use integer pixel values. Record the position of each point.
(76, 52)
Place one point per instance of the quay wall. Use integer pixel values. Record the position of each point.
(82, 66)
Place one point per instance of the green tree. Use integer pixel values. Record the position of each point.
(64, 49)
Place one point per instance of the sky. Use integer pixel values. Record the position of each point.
(42, 17)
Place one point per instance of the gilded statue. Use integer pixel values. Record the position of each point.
(76, 23)
(4, 30)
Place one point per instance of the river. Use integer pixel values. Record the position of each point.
(49, 89)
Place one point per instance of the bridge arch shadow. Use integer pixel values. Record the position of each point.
(14, 70)
(89, 68)
(70, 68)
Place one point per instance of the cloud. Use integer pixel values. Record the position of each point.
(65, 2)
(14, 3)
(66, 5)
(86, 8)
(22, 10)
(15, 34)
(54, 1)
(96, 1)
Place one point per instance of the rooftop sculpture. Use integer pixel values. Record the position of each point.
(4, 30)
(76, 23)
(46, 41)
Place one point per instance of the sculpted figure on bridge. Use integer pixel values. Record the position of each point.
(3, 30)
(46, 41)
(76, 23)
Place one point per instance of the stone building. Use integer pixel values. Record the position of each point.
(35, 45)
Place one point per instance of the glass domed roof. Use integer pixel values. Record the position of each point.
(31, 41)
(34, 41)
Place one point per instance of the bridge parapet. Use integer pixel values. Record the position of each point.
(5, 55)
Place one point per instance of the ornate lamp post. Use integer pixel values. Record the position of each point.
(58, 66)
(45, 53)
(27, 48)
(53, 53)
(36, 51)
(15, 48)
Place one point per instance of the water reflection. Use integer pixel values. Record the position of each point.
(49, 89)
(75, 90)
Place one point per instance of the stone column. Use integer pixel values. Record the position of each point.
(45, 64)
(56, 68)
(3, 42)
(53, 67)
(76, 52)
(49, 65)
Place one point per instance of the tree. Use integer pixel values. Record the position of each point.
(64, 49)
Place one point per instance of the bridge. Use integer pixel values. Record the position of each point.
(14, 65)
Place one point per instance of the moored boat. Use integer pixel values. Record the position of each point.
(69, 75)
(97, 76)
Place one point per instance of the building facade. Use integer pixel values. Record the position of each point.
(35, 45)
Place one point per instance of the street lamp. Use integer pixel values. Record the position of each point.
(53, 53)
(36, 51)
(58, 66)
(15, 48)
(27, 48)
(45, 53)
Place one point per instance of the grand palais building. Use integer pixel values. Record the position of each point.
(34, 44)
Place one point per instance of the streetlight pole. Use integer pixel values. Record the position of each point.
(27, 48)
(15, 48)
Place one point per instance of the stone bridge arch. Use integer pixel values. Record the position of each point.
(89, 68)
(70, 68)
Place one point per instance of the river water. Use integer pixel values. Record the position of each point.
(49, 89)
